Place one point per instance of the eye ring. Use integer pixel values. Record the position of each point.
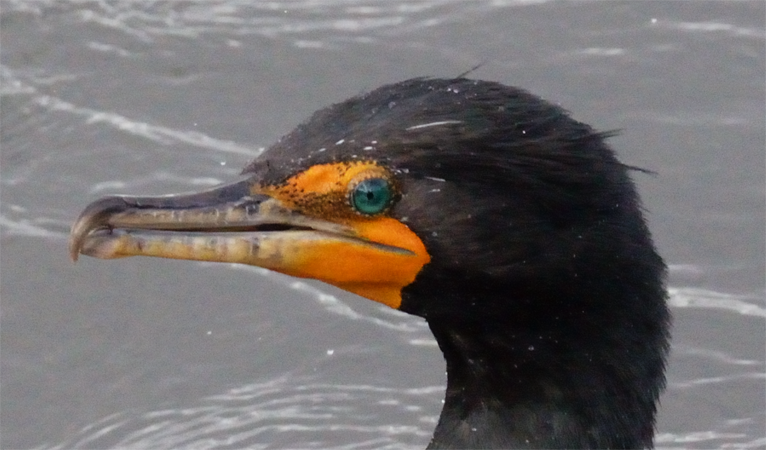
(372, 196)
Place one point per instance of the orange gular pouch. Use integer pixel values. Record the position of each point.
(377, 255)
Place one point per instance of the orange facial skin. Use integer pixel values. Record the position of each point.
(323, 191)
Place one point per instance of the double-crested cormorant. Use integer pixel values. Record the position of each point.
(510, 227)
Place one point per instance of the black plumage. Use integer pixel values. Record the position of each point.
(544, 290)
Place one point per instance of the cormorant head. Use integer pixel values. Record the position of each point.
(509, 226)
(433, 196)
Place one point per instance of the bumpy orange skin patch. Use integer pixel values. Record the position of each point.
(323, 191)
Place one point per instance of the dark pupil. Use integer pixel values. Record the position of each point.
(371, 196)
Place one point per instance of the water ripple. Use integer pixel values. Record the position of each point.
(263, 415)
(145, 20)
(336, 306)
(13, 85)
(28, 228)
(716, 27)
(162, 135)
(687, 297)
(706, 439)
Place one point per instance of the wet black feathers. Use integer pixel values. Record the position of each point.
(544, 292)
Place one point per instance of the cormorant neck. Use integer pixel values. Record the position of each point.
(514, 387)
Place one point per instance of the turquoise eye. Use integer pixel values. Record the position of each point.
(372, 196)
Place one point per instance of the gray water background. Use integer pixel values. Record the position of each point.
(150, 97)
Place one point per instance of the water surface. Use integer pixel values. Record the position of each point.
(148, 97)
